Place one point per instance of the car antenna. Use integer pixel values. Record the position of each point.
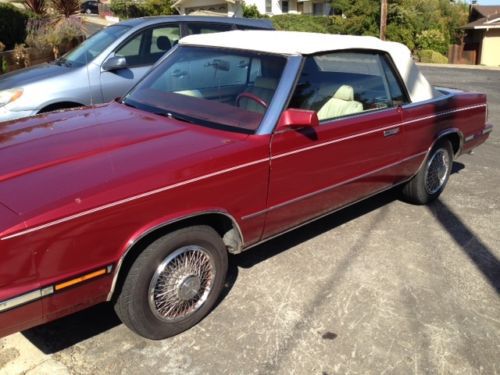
(88, 77)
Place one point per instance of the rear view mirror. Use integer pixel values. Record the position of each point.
(115, 63)
(298, 118)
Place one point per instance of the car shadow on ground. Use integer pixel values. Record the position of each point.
(480, 255)
(65, 332)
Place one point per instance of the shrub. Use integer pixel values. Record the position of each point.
(12, 25)
(60, 35)
(430, 56)
(299, 22)
(66, 8)
(251, 11)
(432, 39)
(36, 6)
(133, 9)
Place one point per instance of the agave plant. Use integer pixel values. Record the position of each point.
(37, 6)
(66, 8)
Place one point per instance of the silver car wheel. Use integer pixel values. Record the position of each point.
(181, 283)
(437, 171)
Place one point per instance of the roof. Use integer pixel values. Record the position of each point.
(300, 43)
(491, 19)
(264, 24)
(486, 10)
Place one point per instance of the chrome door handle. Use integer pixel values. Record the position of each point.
(389, 132)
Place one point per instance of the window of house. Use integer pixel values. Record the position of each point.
(269, 6)
(284, 6)
(318, 9)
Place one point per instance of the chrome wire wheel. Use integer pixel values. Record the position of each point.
(181, 283)
(437, 171)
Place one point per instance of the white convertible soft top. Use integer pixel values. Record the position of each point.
(300, 43)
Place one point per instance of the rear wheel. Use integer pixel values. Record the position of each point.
(174, 283)
(431, 180)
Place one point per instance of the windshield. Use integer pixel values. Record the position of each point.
(211, 86)
(93, 46)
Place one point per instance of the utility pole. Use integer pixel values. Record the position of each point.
(383, 18)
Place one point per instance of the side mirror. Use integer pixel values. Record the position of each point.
(298, 118)
(115, 63)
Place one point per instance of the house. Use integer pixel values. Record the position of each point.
(270, 7)
(482, 41)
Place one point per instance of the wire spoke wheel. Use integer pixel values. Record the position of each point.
(437, 171)
(181, 283)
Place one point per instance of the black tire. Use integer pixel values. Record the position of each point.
(432, 177)
(188, 289)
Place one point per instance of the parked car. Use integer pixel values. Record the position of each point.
(90, 7)
(229, 141)
(106, 65)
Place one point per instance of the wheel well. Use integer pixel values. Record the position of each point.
(455, 141)
(57, 106)
(221, 223)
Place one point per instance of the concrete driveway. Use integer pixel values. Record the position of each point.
(382, 287)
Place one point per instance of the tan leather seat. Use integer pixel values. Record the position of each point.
(263, 88)
(342, 103)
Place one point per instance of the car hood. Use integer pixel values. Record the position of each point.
(23, 77)
(79, 159)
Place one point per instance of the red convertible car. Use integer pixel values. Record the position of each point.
(232, 139)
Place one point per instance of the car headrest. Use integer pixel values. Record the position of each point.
(344, 92)
(163, 43)
(266, 83)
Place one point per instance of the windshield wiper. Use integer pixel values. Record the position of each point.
(175, 116)
(62, 61)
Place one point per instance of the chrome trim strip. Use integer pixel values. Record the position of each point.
(280, 97)
(134, 241)
(37, 294)
(133, 198)
(331, 187)
(325, 214)
(470, 138)
(20, 300)
(487, 130)
(391, 132)
(443, 113)
(334, 141)
(383, 129)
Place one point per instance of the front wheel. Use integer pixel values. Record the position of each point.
(431, 180)
(173, 283)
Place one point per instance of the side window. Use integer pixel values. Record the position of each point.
(132, 48)
(163, 39)
(341, 84)
(396, 93)
(149, 45)
(205, 28)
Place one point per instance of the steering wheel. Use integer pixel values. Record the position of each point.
(252, 97)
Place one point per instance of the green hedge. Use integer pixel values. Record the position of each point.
(12, 25)
(430, 56)
(133, 9)
(316, 24)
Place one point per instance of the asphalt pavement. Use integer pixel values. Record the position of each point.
(382, 287)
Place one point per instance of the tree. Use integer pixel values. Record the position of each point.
(66, 8)
(36, 6)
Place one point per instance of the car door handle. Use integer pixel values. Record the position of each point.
(389, 132)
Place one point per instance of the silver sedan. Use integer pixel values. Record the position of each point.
(105, 66)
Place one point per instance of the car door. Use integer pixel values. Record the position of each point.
(353, 153)
(141, 51)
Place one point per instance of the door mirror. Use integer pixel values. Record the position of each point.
(298, 118)
(115, 63)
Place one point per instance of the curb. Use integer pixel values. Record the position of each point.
(460, 66)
